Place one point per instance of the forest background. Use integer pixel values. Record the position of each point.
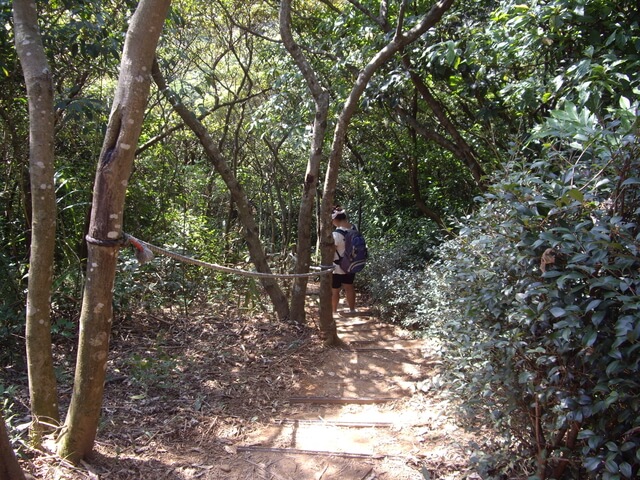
(491, 161)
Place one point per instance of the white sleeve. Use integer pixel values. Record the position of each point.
(338, 239)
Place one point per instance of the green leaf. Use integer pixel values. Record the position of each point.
(576, 195)
(626, 470)
(624, 102)
(592, 305)
(591, 464)
(613, 367)
(611, 466)
(597, 317)
(611, 446)
(594, 442)
(590, 338)
(582, 434)
(524, 377)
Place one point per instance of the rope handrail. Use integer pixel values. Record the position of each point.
(145, 252)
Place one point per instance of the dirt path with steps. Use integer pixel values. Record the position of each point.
(214, 396)
(362, 416)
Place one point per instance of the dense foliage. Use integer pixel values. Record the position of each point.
(535, 302)
(549, 351)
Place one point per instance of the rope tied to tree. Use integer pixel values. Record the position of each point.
(144, 253)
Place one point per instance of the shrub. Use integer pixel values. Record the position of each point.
(552, 356)
(394, 278)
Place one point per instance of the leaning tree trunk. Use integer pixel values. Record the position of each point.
(461, 148)
(238, 195)
(105, 230)
(9, 466)
(310, 184)
(37, 75)
(400, 40)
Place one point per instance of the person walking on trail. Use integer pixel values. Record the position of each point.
(341, 279)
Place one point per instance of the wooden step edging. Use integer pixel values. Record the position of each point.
(332, 423)
(297, 451)
(343, 400)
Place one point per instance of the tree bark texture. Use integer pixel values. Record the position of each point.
(39, 83)
(310, 183)
(399, 41)
(238, 195)
(9, 466)
(105, 229)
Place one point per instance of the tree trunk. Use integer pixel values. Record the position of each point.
(238, 195)
(42, 380)
(105, 230)
(417, 195)
(400, 40)
(460, 146)
(310, 184)
(9, 466)
(414, 178)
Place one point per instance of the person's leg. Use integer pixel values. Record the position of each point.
(336, 285)
(335, 299)
(350, 294)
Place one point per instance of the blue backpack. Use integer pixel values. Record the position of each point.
(355, 251)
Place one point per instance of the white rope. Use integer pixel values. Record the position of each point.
(145, 251)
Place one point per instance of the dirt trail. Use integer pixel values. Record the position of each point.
(361, 416)
(214, 396)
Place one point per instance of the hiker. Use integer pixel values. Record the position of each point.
(340, 278)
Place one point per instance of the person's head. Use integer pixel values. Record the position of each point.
(338, 214)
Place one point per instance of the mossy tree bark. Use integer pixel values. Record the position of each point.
(105, 230)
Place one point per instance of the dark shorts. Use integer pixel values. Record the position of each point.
(338, 280)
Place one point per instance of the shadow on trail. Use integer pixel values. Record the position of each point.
(217, 396)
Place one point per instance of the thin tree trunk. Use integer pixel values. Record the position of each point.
(42, 380)
(459, 145)
(9, 466)
(238, 195)
(414, 178)
(399, 41)
(461, 148)
(105, 230)
(417, 195)
(310, 183)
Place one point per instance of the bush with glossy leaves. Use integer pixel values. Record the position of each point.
(558, 348)
(548, 350)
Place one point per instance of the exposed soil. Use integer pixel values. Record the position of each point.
(210, 395)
